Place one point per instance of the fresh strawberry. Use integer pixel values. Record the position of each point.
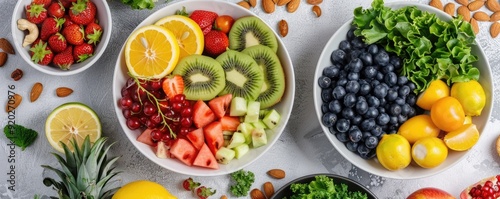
(41, 53)
(216, 42)
(83, 12)
(93, 32)
(36, 13)
(67, 22)
(73, 34)
(82, 52)
(45, 3)
(56, 9)
(50, 26)
(67, 3)
(57, 42)
(189, 184)
(205, 19)
(173, 85)
(204, 192)
(64, 59)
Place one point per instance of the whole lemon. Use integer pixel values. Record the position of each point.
(394, 152)
(471, 95)
(437, 89)
(143, 189)
(429, 152)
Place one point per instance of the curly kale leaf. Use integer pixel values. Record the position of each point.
(243, 182)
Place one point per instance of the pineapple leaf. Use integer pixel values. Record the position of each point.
(92, 164)
(109, 194)
(86, 149)
(83, 177)
(102, 157)
(64, 188)
(71, 161)
(70, 172)
(104, 182)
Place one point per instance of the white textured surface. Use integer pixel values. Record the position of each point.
(301, 150)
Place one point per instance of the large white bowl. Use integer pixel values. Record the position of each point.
(104, 18)
(284, 107)
(413, 171)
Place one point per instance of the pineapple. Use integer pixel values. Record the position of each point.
(86, 172)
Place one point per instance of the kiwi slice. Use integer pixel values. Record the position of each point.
(249, 31)
(243, 76)
(203, 77)
(274, 78)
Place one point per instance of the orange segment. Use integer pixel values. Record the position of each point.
(188, 33)
(463, 138)
(151, 52)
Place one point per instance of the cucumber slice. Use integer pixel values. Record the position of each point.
(259, 137)
(236, 140)
(271, 119)
(253, 109)
(238, 106)
(246, 129)
(224, 155)
(241, 150)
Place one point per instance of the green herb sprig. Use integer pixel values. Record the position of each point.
(20, 135)
(244, 180)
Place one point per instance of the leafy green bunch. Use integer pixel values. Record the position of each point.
(323, 187)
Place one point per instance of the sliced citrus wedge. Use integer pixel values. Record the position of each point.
(151, 52)
(463, 138)
(188, 33)
(72, 120)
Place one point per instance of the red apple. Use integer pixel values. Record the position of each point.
(430, 193)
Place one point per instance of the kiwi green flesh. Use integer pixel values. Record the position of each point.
(273, 87)
(243, 76)
(203, 77)
(249, 31)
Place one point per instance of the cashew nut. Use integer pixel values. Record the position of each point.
(23, 24)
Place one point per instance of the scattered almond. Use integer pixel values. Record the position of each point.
(481, 16)
(63, 91)
(36, 90)
(276, 173)
(493, 5)
(13, 103)
(495, 16)
(498, 145)
(449, 8)
(6, 46)
(282, 2)
(223, 197)
(244, 4)
(475, 26)
(316, 10)
(494, 29)
(269, 6)
(292, 6)
(437, 4)
(314, 2)
(283, 28)
(463, 2)
(3, 58)
(475, 5)
(257, 194)
(252, 3)
(268, 189)
(464, 11)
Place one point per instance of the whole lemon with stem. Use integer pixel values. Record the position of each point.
(394, 152)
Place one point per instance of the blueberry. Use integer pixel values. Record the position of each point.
(395, 110)
(345, 46)
(383, 102)
(367, 124)
(357, 43)
(350, 34)
(364, 152)
(356, 119)
(338, 92)
(404, 91)
(324, 82)
(400, 101)
(361, 107)
(366, 58)
(353, 76)
(355, 135)
(392, 94)
(351, 146)
(371, 142)
(383, 119)
(342, 137)
(381, 109)
(373, 101)
(387, 68)
(373, 49)
(391, 79)
(380, 91)
(342, 81)
(396, 62)
(411, 113)
(412, 86)
(402, 118)
(329, 119)
(355, 65)
(352, 86)
(324, 108)
(343, 125)
(338, 56)
(364, 88)
(377, 131)
(411, 99)
(371, 113)
(394, 120)
(360, 98)
(382, 58)
(402, 80)
(332, 71)
(347, 113)
(370, 72)
(335, 106)
(366, 134)
(379, 76)
(354, 53)
(349, 100)
(405, 109)
(374, 83)
(326, 95)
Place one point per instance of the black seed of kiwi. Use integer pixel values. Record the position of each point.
(249, 31)
(243, 76)
(203, 77)
(274, 78)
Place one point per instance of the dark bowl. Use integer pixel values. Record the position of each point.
(351, 184)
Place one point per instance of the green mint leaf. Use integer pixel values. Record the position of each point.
(20, 135)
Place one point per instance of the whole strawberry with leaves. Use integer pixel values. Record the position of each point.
(64, 59)
(93, 33)
(74, 34)
(216, 42)
(36, 13)
(83, 52)
(204, 192)
(51, 26)
(45, 3)
(57, 42)
(205, 19)
(41, 53)
(83, 12)
(56, 9)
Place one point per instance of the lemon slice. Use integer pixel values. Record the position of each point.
(143, 189)
(188, 33)
(151, 52)
(72, 120)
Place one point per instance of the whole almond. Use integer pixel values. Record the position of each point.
(481, 16)
(223, 197)
(314, 2)
(252, 3)
(6, 46)
(495, 16)
(268, 189)
(257, 194)
(13, 102)
(283, 28)
(464, 11)
(3, 58)
(493, 5)
(463, 2)
(276, 173)
(63, 91)
(36, 90)
(475, 5)
(244, 4)
(316, 10)
(282, 2)
(449, 8)
(269, 6)
(475, 26)
(494, 29)
(498, 145)
(437, 4)
(292, 6)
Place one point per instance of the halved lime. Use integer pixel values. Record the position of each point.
(72, 120)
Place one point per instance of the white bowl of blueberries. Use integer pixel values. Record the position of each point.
(359, 95)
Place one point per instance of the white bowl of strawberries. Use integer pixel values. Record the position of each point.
(61, 37)
(221, 95)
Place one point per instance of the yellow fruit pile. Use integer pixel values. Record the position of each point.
(426, 138)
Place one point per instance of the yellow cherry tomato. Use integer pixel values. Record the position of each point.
(437, 89)
(447, 114)
(429, 152)
(418, 127)
(393, 152)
